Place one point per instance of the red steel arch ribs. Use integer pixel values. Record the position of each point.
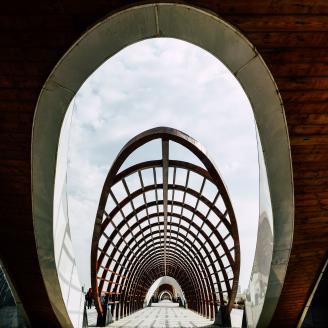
(149, 228)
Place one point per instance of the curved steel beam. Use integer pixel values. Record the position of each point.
(145, 249)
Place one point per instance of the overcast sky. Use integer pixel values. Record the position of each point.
(161, 82)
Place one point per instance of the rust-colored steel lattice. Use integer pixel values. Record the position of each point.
(154, 220)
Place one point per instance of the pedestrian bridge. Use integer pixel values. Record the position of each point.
(277, 51)
(163, 314)
(164, 218)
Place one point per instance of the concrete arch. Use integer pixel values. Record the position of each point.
(165, 292)
(106, 38)
(161, 281)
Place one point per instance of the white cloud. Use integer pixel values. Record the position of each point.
(162, 82)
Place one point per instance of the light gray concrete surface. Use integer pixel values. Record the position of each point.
(92, 317)
(164, 314)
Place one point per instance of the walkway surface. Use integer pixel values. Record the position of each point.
(162, 315)
(92, 317)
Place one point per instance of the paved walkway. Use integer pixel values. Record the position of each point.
(162, 315)
(92, 317)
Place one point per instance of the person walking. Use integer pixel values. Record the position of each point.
(88, 298)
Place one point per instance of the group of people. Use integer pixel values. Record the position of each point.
(89, 298)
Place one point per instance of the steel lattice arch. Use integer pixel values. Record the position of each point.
(163, 225)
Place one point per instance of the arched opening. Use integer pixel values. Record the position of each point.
(223, 41)
(166, 293)
(146, 229)
(165, 296)
(161, 82)
(165, 283)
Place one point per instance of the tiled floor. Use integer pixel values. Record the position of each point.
(162, 315)
(92, 317)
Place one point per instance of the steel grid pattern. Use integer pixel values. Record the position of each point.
(153, 221)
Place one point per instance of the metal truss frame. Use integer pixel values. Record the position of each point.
(136, 242)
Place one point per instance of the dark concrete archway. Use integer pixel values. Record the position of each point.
(208, 31)
(290, 36)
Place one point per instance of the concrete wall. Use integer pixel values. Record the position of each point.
(65, 261)
(257, 289)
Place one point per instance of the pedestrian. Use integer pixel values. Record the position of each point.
(88, 298)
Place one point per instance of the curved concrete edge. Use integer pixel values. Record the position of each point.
(46, 127)
(272, 128)
(161, 281)
(122, 29)
(165, 292)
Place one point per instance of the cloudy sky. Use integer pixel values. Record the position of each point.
(161, 82)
